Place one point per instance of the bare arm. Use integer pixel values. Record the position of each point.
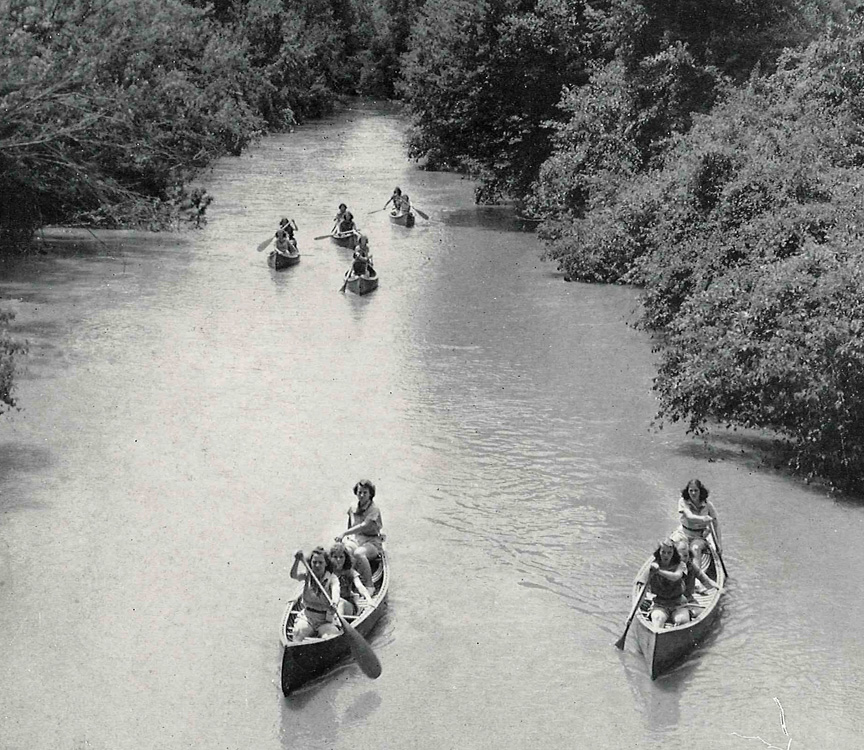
(295, 574)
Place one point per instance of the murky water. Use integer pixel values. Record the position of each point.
(191, 417)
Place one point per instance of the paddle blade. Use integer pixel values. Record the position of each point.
(425, 216)
(323, 237)
(361, 651)
(619, 644)
(264, 244)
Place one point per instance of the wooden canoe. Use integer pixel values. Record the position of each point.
(312, 657)
(279, 260)
(403, 218)
(362, 284)
(667, 647)
(346, 239)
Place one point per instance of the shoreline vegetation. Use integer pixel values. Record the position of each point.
(708, 154)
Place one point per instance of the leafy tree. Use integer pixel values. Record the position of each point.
(482, 80)
(109, 110)
(748, 241)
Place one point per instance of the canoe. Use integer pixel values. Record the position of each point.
(403, 218)
(279, 260)
(312, 657)
(362, 284)
(667, 647)
(345, 239)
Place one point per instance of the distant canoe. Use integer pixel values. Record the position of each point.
(528, 222)
(667, 647)
(279, 260)
(403, 218)
(346, 239)
(312, 657)
(362, 284)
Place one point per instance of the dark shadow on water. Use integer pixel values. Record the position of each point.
(491, 218)
(17, 460)
(756, 452)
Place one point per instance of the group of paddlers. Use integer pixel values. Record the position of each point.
(286, 244)
(678, 560)
(339, 579)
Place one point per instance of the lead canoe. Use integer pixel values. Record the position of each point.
(346, 239)
(279, 260)
(362, 284)
(312, 657)
(668, 646)
(403, 218)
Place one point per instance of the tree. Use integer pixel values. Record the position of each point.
(482, 80)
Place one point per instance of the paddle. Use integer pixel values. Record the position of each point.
(360, 649)
(323, 236)
(717, 549)
(264, 244)
(376, 210)
(425, 216)
(620, 642)
(346, 282)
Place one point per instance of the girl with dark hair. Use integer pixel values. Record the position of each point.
(318, 614)
(666, 580)
(363, 536)
(350, 584)
(697, 517)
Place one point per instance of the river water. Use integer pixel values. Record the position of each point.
(190, 418)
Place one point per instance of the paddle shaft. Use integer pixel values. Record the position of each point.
(360, 649)
(717, 549)
(620, 642)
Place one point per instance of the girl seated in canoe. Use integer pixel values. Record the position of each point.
(362, 265)
(350, 585)
(343, 209)
(347, 223)
(697, 518)
(363, 536)
(396, 200)
(694, 573)
(666, 581)
(318, 615)
(288, 226)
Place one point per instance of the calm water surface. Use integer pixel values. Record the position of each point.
(190, 418)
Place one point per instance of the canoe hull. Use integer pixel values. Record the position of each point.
(664, 649)
(279, 260)
(362, 284)
(311, 658)
(346, 239)
(404, 219)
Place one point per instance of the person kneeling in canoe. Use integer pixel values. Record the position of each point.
(350, 584)
(666, 580)
(318, 615)
(363, 536)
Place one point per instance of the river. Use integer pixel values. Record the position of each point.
(189, 418)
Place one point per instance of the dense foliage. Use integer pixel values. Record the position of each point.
(747, 240)
(483, 78)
